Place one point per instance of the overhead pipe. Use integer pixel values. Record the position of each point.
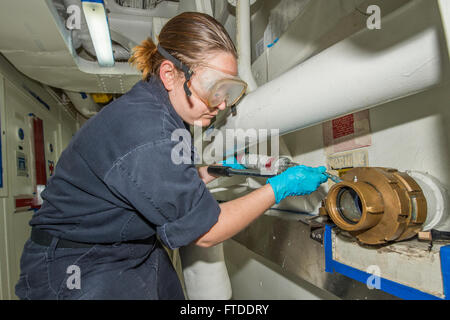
(370, 68)
(244, 43)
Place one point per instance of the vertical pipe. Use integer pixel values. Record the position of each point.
(444, 7)
(205, 273)
(244, 43)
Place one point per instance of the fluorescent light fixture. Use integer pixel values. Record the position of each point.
(97, 21)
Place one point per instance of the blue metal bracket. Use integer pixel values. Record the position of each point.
(391, 287)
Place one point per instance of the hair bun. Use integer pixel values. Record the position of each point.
(142, 57)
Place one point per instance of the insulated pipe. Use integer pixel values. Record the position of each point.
(205, 273)
(371, 67)
(438, 215)
(244, 43)
(444, 7)
(83, 103)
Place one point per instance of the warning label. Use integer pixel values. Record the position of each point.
(347, 133)
(343, 126)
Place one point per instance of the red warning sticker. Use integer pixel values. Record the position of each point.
(343, 126)
(347, 133)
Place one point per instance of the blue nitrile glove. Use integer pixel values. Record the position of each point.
(297, 181)
(232, 163)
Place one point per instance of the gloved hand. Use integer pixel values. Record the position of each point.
(297, 181)
(232, 163)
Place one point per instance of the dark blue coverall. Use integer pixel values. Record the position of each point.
(116, 183)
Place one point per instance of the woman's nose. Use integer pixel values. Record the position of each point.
(222, 106)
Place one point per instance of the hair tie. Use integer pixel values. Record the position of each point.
(154, 50)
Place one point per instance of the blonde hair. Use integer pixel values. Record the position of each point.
(190, 37)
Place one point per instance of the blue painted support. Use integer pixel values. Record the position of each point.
(445, 268)
(386, 285)
(95, 1)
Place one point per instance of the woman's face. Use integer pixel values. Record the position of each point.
(194, 110)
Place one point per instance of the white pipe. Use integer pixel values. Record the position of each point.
(205, 273)
(444, 7)
(438, 216)
(83, 103)
(367, 69)
(244, 43)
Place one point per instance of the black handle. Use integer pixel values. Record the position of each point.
(440, 235)
(224, 171)
(219, 171)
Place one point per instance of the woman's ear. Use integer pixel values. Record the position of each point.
(168, 75)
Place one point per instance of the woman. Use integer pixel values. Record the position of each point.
(116, 194)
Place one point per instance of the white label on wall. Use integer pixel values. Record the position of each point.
(351, 159)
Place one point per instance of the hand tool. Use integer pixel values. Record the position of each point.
(224, 171)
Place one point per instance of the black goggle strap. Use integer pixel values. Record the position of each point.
(187, 72)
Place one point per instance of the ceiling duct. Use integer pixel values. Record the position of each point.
(82, 38)
(140, 4)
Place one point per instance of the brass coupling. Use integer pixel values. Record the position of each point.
(377, 205)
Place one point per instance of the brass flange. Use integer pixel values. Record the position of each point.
(377, 205)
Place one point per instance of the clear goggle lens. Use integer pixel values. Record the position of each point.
(229, 91)
(215, 87)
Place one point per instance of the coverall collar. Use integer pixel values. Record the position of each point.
(156, 87)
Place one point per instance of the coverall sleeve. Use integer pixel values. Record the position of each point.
(170, 196)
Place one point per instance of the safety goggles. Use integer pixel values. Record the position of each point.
(210, 85)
